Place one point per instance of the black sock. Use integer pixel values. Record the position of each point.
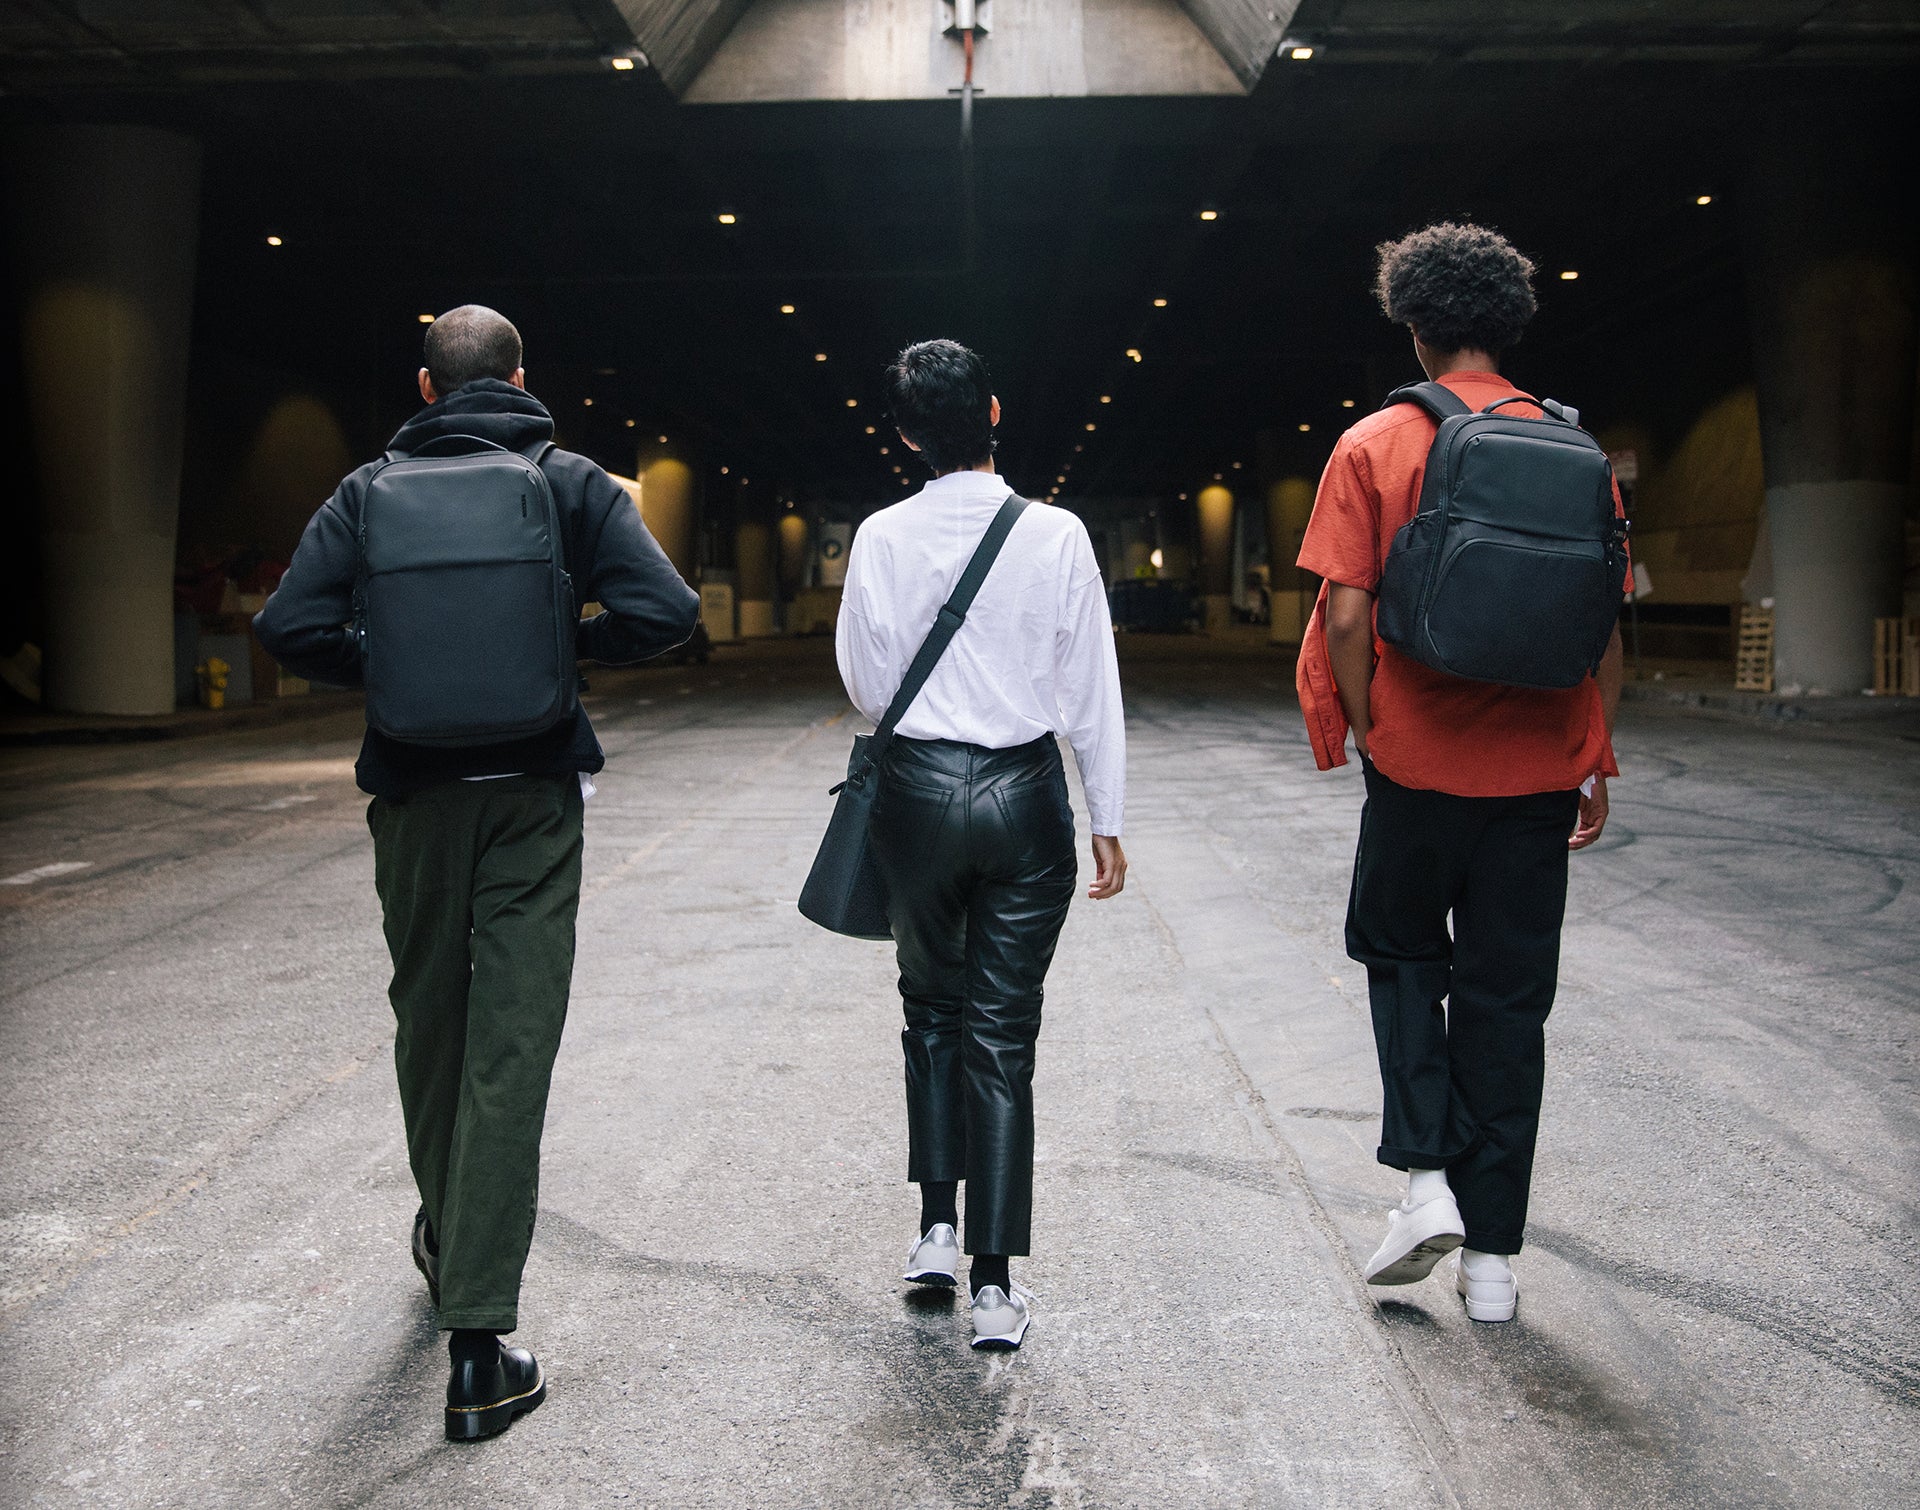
(989, 1269)
(472, 1344)
(939, 1202)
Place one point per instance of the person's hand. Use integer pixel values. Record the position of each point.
(1593, 816)
(1110, 868)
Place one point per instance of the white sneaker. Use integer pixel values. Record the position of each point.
(999, 1319)
(1418, 1237)
(1491, 1291)
(935, 1258)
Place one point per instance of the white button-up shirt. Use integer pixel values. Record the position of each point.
(1035, 655)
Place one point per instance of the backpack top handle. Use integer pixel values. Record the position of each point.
(1565, 413)
(535, 452)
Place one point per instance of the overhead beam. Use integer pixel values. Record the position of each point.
(1244, 32)
(679, 36)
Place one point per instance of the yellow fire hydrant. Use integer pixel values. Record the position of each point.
(213, 673)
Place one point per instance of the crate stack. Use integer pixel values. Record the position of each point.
(1753, 650)
(1896, 657)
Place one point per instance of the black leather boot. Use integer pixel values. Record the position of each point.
(485, 1397)
(426, 1255)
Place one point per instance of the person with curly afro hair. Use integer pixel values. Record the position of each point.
(1476, 794)
(1458, 288)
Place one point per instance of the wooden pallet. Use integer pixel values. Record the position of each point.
(1896, 657)
(1753, 652)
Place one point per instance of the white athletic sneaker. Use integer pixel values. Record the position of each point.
(999, 1319)
(935, 1258)
(1418, 1237)
(1491, 1291)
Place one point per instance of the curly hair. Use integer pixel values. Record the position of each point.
(942, 400)
(1459, 287)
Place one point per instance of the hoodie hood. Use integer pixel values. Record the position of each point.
(489, 408)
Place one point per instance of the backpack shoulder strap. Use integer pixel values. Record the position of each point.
(946, 624)
(1436, 398)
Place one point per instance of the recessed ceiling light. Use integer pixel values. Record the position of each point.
(663, 440)
(1209, 214)
(1568, 275)
(896, 466)
(723, 471)
(744, 481)
(885, 451)
(1079, 447)
(1183, 499)
(624, 62)
(1703, 199)
(426, 319)
(869, 429)
(853, 403)
(786, 309)
(1216, 476)
(275, 241)
(1133, 354)
(727, 217)
(1159, 303)
(819, 356)
(1304, 428)
(1091, 425)
(631, 423)
(1346, 403)
(1106, 398)
(1061, 478)
(588, 402)
(1300, 54)
(1236, 466)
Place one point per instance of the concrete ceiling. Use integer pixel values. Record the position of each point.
(1590, 31)
(94, 44)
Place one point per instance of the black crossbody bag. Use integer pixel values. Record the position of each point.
(844, 891)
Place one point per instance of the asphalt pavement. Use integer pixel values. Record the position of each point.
(205, 1293)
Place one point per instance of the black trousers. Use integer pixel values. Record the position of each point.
(1462, 1081)
(977, 848)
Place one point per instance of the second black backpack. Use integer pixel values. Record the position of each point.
(463, 606)
(1513, 570)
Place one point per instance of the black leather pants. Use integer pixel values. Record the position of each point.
(977, 847)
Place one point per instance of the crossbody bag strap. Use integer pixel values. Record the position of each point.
(946, 624)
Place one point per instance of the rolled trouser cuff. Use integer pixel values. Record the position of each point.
(1398, 1157)
(480, 1319)
(1505, 1244)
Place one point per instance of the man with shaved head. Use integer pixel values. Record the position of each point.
(477, 841)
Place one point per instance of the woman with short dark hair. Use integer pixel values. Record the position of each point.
(971, 826)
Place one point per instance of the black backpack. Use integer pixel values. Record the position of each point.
(1514, 568)
(463, 606)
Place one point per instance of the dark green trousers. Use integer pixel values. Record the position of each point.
(479, 884)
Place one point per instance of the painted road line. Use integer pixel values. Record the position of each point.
(47, 872)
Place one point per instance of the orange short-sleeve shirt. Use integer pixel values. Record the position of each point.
(1432, 731)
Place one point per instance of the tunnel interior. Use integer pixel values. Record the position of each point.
(1172, 292)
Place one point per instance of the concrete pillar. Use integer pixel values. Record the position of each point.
(753, 565)
(1289, 503)
(1215, 510)
(106, 230)
(666, 503)
(794, 554)
(1829, 249)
